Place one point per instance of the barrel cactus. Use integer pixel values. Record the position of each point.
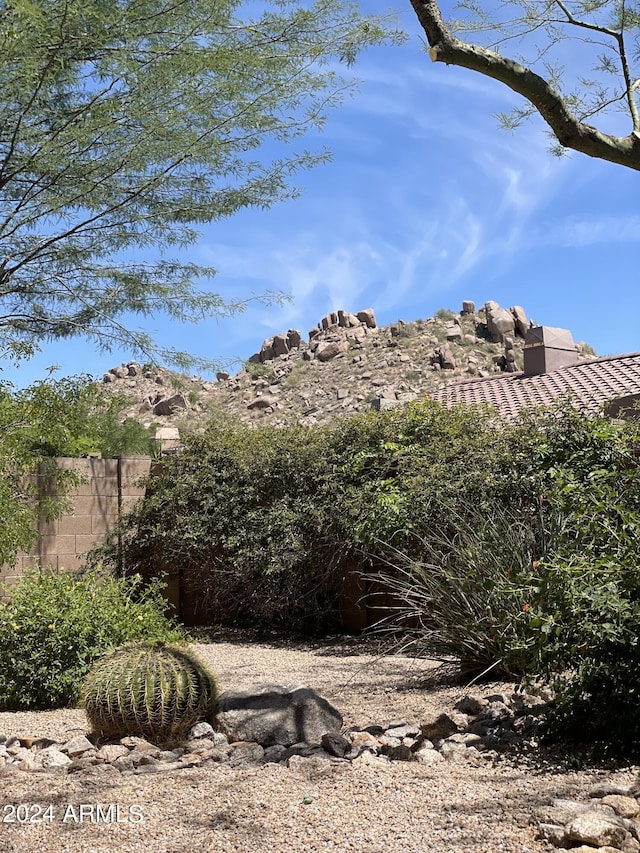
(149, 689)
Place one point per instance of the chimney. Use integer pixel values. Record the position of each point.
(547, 349)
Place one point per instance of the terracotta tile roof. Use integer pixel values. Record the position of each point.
(592, 383)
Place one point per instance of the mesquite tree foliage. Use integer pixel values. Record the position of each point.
(574, 61)
(127, 124)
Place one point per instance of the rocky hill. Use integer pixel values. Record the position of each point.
(347, 364)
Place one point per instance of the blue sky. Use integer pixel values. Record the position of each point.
(427, 202)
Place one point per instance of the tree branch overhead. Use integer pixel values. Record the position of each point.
(552, 106)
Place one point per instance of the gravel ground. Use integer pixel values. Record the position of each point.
(461, 806)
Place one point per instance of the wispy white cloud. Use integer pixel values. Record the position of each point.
(576, 232)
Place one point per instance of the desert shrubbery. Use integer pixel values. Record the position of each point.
(509, 546)
(56, 624)
(264, 522)
(547, 588)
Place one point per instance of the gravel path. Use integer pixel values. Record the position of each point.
(461, 806)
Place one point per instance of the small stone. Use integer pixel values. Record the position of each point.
(596, 829)
(623, 806)
(388, 742)
(200, 745)
(448, 749)
(465, 738)
(81, 764)
(555, 834)
(111, 751)
(604, 789)
(274, 753)
(470, 704)
(52, 757)
(399, 753)
(587, 848)
(242, 753)
(441, 726)
(76, 746)
(403, 730)
(370, 759)
(428, 756)
(335, 744)
(364, 740)
(123, 763)
(171, 755)
(19, 752)
(137, 755)
(135, 742)
(29, 763)
(191, 758)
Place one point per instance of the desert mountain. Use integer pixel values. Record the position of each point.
(347, 364)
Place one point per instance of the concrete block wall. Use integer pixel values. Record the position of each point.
(109, 489)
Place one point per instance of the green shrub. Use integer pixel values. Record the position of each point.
(241, 512)
(588, 619)
(445, 314)
(265, 522)
(55, 625)
(257, 370)
(150, 690)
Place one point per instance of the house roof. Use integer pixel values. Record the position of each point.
(591, 383)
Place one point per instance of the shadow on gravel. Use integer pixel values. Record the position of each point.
(334, 645)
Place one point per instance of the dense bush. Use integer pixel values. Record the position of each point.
(246, 517)
(55, 625)
(264, 523)
(585, 603)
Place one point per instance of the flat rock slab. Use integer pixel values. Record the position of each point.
(271, 714)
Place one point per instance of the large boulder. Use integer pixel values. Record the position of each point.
(266, 350)
(500, 321)
(170, 405)
(280, 345)
(294, 338)
(330, 349)
(367, 317)
(272, 714)
(520, 317)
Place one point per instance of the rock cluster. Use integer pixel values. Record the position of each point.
(158, 392)
(327, 340)
(286, 725)
(505, 322)
(607, 822)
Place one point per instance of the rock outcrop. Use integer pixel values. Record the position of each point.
(348, 364)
